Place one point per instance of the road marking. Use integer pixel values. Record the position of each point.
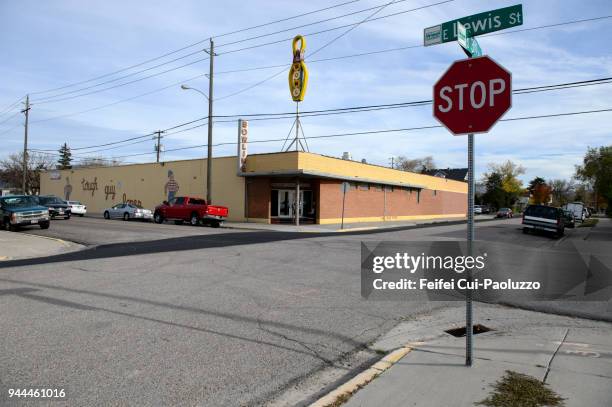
(352, 386)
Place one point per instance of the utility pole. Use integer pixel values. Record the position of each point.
(210, 125)
(158, 145)
(26, 111)
(392, 162)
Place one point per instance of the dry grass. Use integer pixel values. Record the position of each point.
(519, 390)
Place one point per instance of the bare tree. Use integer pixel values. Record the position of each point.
(416, 164)
(11, 170)
(97, 162)
(562, 191)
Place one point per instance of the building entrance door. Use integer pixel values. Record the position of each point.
(287, 204)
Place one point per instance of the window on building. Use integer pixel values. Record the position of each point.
(379, 188)
(435, 192)
(389, 188)
(353, 185)
(364, 187)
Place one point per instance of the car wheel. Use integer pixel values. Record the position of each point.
(81, 215)
(126, 216)
(67, 217)
(215, 224)
(195, 220)
(10, 227)
(158, 218)
(106, 215)
(44, 225)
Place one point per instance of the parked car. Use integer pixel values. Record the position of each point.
(127, 211)
(190, 209)
(56, 206)
(570, 219)
(504, 213)
(577, 208)
(477, 209)
(544, 218)
(485, 209)
(22, 210)
(77, 208)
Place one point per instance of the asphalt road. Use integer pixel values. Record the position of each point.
(197, 316)
(92, 231)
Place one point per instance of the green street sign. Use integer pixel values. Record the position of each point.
(467, 42)
(477, 24)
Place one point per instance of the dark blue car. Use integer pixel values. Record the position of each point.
(22, 210)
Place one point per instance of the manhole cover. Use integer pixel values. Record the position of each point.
(460, 332)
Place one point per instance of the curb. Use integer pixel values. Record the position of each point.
(63, 242)
(345, 391)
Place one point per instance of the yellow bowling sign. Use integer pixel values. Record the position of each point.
(298, 74)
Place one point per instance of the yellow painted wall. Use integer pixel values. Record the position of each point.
(291, 161)
(145, 183)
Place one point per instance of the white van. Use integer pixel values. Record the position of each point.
(578, 209)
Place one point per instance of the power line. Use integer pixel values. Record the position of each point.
(310, 61)
(11, 106)
(346, 110)
(326, 20)
(123, 84)
(59, 98)
(193, 45)
(352, 27)
(10, 117)
(120, 101)
(413, 46)
(46, 98)
(10, 129)
(407, 129)
(337, 28)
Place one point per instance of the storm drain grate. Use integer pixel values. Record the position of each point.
(460, 332)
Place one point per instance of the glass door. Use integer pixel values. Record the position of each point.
(286, 200)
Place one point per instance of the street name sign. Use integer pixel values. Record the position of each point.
(472, 95)
(477, 24)
(467, 42)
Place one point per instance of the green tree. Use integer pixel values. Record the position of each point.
(65, 160)
(511, 185)
(494, 192)
(596, 170)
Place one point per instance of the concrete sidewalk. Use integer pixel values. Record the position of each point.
(573, 356)
(20, 245)
(349, 227)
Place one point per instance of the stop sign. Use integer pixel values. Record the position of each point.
(472, 95)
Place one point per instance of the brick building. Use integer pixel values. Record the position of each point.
(265, 188)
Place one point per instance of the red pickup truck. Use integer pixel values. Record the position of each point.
(189, 209)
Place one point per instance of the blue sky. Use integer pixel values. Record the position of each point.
(50, 44)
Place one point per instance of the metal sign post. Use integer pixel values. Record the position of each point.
(469, 98)
(345, 187)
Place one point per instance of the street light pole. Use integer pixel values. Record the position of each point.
(26, 111)
(209, 97)
(210, 126)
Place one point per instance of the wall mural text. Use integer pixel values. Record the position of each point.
(90, 186)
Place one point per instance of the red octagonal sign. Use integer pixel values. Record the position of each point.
(472, 95)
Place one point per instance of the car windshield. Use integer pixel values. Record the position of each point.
(504, 210)
(50, 200)
(19, 201)
(74, 202)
